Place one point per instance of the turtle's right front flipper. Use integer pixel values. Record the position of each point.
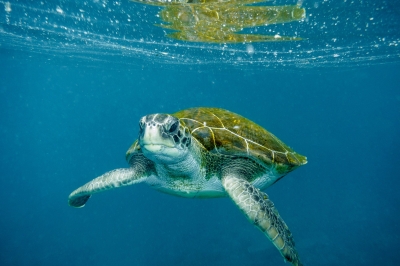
(261, 211)
(116, 178)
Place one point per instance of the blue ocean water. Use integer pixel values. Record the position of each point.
(70, 105)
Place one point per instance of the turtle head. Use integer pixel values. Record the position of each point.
(163, 138)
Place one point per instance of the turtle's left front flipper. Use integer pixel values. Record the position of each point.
(261, 211)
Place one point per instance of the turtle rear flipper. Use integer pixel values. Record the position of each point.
(261, 211)
(109, 180)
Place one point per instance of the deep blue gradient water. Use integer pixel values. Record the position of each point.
(66, 119)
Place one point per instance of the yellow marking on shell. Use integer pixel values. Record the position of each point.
(212, 132)
(219, 120)
(247, 141)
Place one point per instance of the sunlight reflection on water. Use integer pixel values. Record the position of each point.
(335, 34)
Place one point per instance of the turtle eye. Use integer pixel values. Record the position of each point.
(141, 128)
(173, 127)
(141, 124)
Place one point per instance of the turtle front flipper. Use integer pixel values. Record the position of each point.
(113, 179)
(261, 211)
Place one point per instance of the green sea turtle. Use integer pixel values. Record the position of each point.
(204, 153)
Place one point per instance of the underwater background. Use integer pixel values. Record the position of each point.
(74, 84)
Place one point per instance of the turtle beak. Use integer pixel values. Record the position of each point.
(152, 137)
(159, 138)
(152, 134)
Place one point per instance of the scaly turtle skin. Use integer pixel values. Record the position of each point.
(204, 153)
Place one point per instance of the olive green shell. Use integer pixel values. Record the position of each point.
(221, 131)
(224, 132)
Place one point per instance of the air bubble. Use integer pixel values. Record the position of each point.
(250, 49)
(59, 10)
(7, 7)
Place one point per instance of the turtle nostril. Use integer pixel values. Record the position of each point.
(173, 127)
